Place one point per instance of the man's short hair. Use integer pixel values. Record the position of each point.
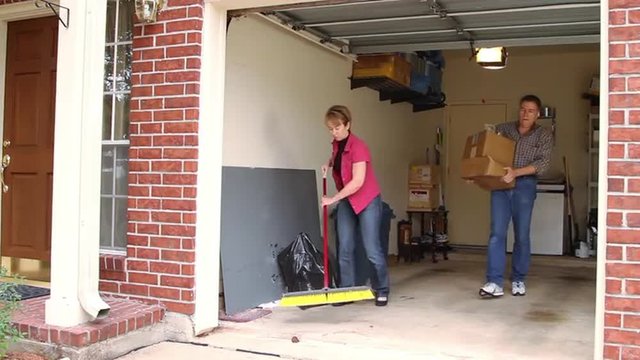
(533, 99)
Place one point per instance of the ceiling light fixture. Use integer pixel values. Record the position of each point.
(494, 58)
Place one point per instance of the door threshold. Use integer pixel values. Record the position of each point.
(29, 271)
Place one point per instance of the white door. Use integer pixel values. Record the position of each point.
(468, 204)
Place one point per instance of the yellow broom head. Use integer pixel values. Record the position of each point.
(326, 296)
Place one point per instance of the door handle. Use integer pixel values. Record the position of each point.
(6, 160)
(5, 144)
(4, 186)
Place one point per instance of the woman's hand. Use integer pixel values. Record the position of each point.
(327, 201)
(325, 169)
(510, 175)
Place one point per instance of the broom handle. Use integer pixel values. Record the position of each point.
(325, 240)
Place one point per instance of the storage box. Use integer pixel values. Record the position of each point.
(424, 174)
(489, 144)
(390, 66)
(423, 197)
(485, 172)
(429, 82)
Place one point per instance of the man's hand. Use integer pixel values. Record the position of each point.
(510, 175)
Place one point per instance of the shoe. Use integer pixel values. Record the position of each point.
(491, 289)
(382, 300)
(518, 288)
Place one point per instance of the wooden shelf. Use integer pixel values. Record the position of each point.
(397, 93)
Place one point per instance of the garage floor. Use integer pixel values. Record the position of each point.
(435, 313)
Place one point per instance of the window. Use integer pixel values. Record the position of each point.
(115, 124)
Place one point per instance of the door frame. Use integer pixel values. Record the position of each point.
(446, 125)
(13, 12)
(213, 78)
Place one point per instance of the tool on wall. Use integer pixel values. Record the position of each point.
(438, 149)
(571, 209)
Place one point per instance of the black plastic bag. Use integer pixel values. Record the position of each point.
(302, 265)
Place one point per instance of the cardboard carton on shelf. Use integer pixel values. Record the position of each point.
(423, 197)
(391, 66)
(485, 156)
(424, 174)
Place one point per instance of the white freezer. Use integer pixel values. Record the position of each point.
(547, 225)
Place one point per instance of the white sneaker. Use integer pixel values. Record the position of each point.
(491, 289)
(518, 288)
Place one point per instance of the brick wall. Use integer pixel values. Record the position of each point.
(159, 266)
(622, 304)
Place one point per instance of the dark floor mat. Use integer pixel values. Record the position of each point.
(28, 292)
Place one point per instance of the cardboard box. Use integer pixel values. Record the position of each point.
(390, 66)
(490, 144)
(424, 174)
(423, 197)
(485, 172)
(481, 166)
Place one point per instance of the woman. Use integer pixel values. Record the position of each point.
(359, 207)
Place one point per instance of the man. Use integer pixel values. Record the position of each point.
(532, 158)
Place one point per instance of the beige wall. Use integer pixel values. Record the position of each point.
(278, 87)
(558, 75)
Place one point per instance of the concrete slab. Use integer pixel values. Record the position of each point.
(172, 351)
(434, 313)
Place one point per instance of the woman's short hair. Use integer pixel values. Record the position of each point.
(339, 113)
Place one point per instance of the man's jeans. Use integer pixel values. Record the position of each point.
(368, 223)
(516, 203)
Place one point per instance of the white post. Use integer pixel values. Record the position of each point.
(207, 267)
(603, 166)
(75, 232)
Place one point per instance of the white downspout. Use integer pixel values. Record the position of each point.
(91, 159)
(75, 232)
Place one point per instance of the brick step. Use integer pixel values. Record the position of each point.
(125, 316)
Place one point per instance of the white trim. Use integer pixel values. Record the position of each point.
(453, 45)
(244, 4)
(23, 10)
(208, 200)
(603, 208)
(105, 251)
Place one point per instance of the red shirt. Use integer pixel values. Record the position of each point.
(356, 151)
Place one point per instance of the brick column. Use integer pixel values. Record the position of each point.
(159, 267)
(622, 303)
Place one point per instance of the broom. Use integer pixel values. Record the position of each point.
(326, 295)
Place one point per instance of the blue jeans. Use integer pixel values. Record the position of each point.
(368, 224)
(516, 204)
